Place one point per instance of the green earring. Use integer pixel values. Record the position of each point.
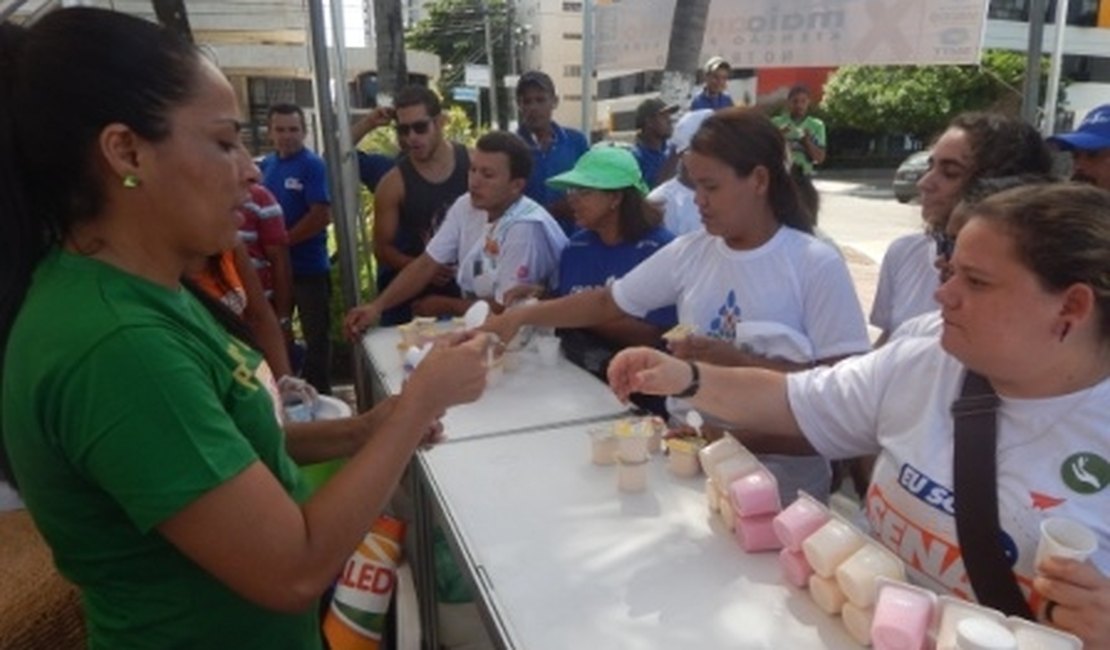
(130, 181)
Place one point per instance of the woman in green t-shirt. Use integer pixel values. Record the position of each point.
(137, 429)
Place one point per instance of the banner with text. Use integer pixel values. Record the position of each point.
(632, 34)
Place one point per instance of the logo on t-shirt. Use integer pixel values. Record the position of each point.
(926, 489)
(1085, 473)
(294, 184)
(723, 326)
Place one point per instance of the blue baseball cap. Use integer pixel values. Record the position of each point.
(1092, 134)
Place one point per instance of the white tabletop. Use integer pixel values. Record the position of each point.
(567, 561)
(531, 396)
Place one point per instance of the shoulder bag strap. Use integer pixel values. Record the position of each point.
(974, 474)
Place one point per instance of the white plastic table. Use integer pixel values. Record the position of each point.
(562, 559)
(529, 397)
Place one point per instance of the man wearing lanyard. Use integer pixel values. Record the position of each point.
(555, 148)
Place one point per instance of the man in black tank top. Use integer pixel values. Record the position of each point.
(413, 197)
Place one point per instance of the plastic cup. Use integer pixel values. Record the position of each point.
(830, 545)
(297, 411)
(548, 348)
(826, 594)
(975, 633)
(1066, 538)
(729, 469)
(756, 493)
(1032, 636)
(632, 477)
(658, 428)
(682, 458)
(858, 622)
(719, 450)
(728, 515)
(632, 449)
(712, 496)
(799, 520)
(794, 567)
(857, 575)
(954, 611)
(902, 618)
(603, 446)
(756, 534)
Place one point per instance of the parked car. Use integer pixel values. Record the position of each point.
(909, 172)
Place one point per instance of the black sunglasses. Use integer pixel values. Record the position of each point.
(419, 128)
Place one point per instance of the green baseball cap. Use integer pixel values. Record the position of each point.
(605, 167)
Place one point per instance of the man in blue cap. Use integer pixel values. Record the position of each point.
(1090, 148)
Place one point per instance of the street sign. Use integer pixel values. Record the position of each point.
(477, 75)
(465, 94)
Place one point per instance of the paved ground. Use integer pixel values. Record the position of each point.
(859, 211)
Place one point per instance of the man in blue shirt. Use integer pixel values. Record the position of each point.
(713, 96)
(653, 125)
(555, 149)
(298, 179)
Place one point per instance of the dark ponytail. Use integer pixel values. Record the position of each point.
(62, 81)
(21, 243)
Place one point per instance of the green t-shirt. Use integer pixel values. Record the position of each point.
(794, 130)
(123, 402)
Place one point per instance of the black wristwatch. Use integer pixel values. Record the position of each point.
(695, 382)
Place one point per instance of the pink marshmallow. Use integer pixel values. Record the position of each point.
(902, 618)
(794, 567)
(755, 494)
(756, 533)
(799, 520)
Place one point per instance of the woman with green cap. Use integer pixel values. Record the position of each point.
(618, 229)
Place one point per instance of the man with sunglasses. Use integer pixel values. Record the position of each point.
(1090, 148)
(298, 178)
(412, 199)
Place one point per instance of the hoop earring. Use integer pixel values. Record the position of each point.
(130, 181)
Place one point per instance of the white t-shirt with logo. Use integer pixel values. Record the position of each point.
(522, 247)
(1053, 456)
(794, 279)
(907, 282)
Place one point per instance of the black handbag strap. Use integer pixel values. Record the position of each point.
(976, 485)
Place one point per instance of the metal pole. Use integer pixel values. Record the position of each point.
(339, 159)
(513, 70)
(494, 121)
(1048, 127)
(587, 66)
(1031, 96)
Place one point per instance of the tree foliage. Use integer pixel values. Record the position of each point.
(920, 100)
(455, 31)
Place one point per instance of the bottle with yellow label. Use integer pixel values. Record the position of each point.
(356, 618)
